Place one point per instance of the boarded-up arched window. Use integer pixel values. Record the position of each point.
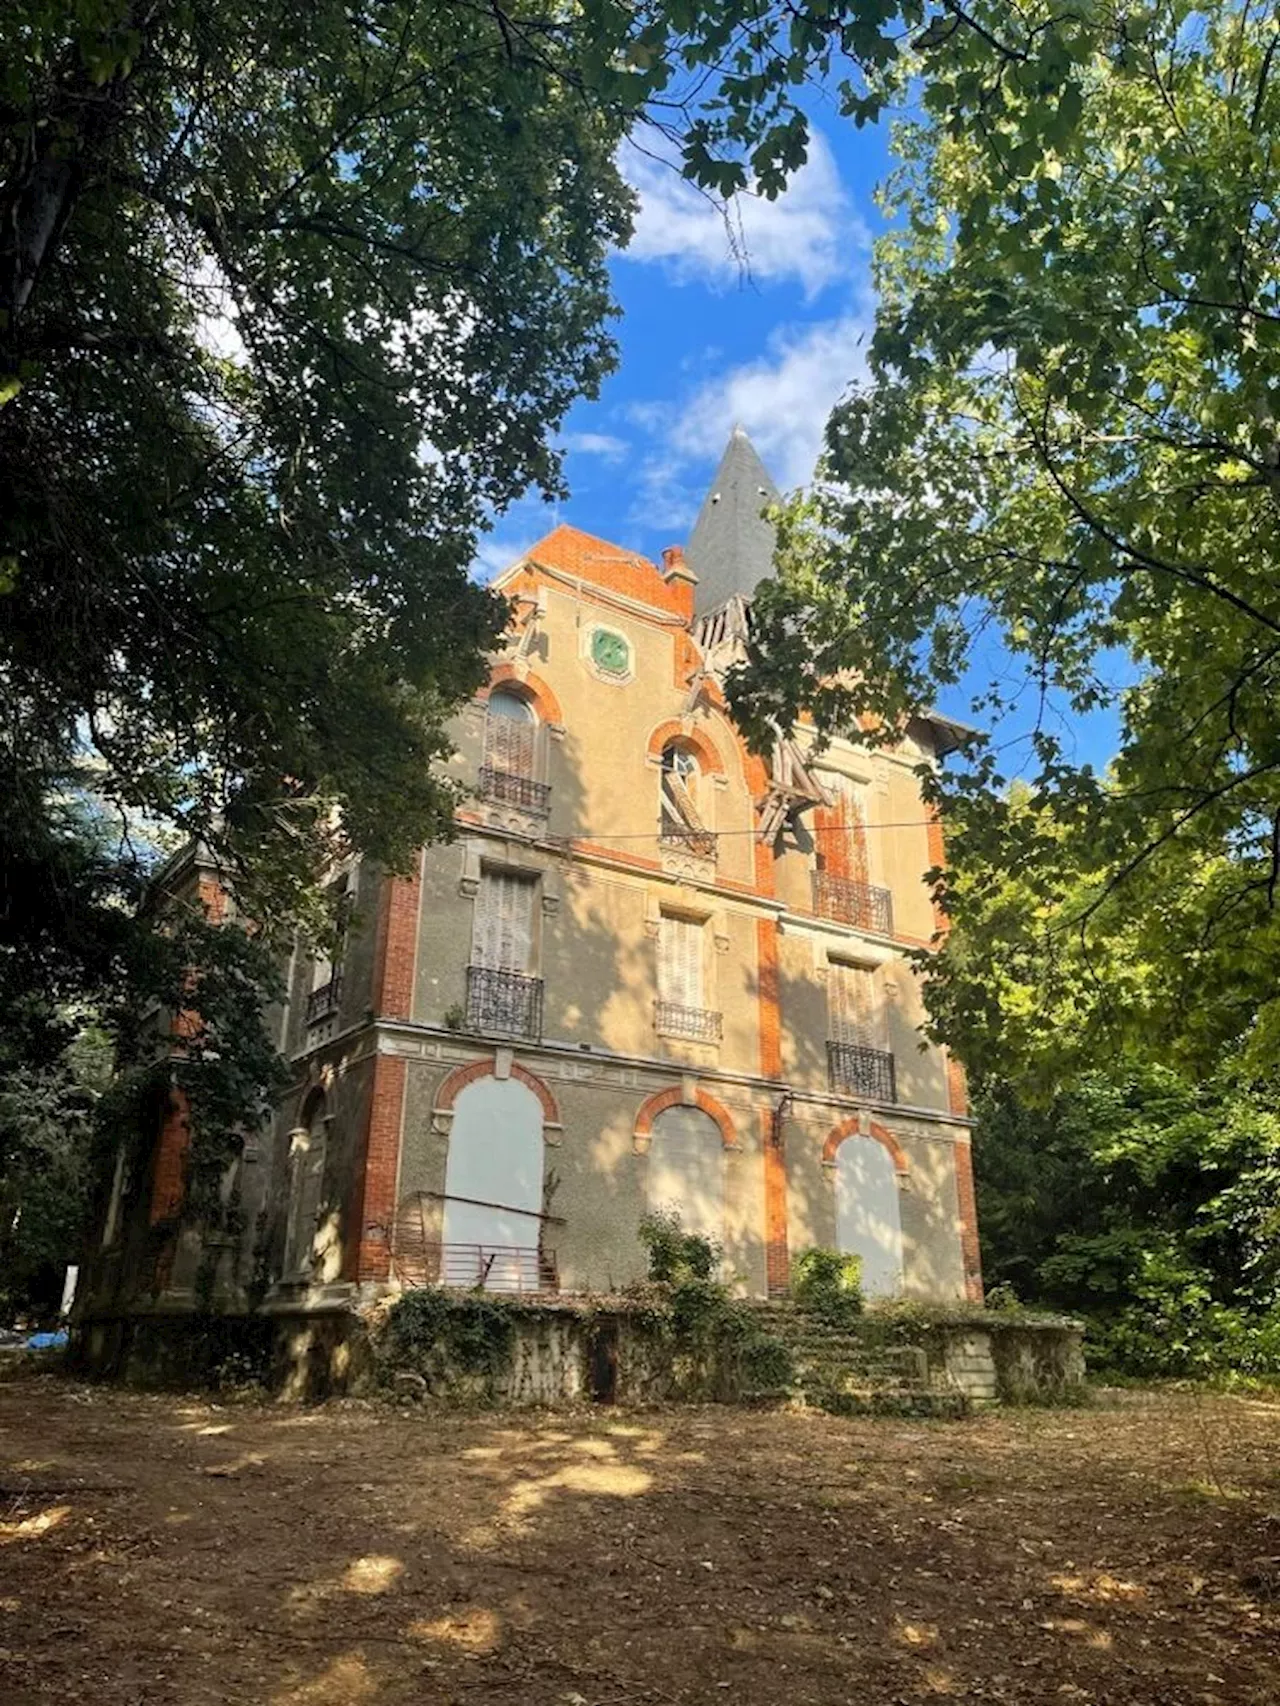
(868, 1220)
(687, 1170)
(493, 1187)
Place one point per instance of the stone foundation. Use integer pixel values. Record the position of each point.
(935, 1360)
(995, 1358)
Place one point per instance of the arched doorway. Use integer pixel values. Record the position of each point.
(687, 1170)
(493, 1187)
(868, 1217)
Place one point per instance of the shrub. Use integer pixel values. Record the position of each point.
(721, 1350)
(674, 1254)
(827, 1283)
(435, 1335)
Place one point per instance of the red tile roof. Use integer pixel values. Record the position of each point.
(596, 561)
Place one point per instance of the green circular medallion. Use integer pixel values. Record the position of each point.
(610, 652)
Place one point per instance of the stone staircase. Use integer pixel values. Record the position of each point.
(837, 1371)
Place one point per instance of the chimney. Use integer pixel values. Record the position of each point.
(676, 570)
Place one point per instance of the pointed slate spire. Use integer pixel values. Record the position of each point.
(731, 546)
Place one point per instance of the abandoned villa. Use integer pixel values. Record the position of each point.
(651, 970)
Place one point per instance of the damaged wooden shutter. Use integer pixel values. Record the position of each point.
(842, 830)
(502, 935)
(510, 733)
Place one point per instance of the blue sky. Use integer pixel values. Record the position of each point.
(768, 337)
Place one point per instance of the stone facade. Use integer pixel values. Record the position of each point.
(670, 931)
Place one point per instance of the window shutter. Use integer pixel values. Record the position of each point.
(843, 843)
(680, 962)
(502, 933)
(509, 742)
(856, 1004)
(678, 807)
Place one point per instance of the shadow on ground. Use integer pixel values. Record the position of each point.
(173, 1551)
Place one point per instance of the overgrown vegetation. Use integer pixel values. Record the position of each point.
(1147, 1205)
(438, 1335)
(719, 1348)
(675, 1255)
(828, 1284)
(1064, 462)
(687, 1337)
(48, 1145)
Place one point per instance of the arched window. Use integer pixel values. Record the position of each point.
(687, 1170)
(306, 1188)
(493, 1188)
(510, 733)
(868, 1221)
(681, 814)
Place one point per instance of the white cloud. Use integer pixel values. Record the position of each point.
(596, 444)
(811, 233)
(514, 535)
(782, 398)
(500, 550)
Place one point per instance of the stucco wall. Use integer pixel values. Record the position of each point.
(597, 1178)
(932, 1264)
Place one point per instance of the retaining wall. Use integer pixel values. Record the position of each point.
(558, 1352)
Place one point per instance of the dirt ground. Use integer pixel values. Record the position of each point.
(166, 1550)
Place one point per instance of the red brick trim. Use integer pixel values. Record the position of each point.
(938, 858)
(777, 1259)
(213, 897)
(461, 1076)
(527, 686)
(957, 1087)
(852, 1128)
(673, 1098)
(967, 1203)
(169, 1166)
(767, 997)
(673, 729)
(373, 1197)
(173, 1139)
(399, 906)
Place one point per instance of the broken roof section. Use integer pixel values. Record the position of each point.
(731, 546)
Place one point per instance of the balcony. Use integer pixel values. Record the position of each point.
(857, 1071)
(507, 1268)
(694, 1024)
(505, 788)
(504, 1003)
(861, 904)
(680, 838)
(324, 1001)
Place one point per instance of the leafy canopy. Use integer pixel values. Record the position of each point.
(1069, 441)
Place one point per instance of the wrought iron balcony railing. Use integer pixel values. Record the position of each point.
(471, 1267)
(323, 1001)
(688, 840)
(848, 902)
(858, 1071)
(694, 1023)
(505, 788)
(504, 1002)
